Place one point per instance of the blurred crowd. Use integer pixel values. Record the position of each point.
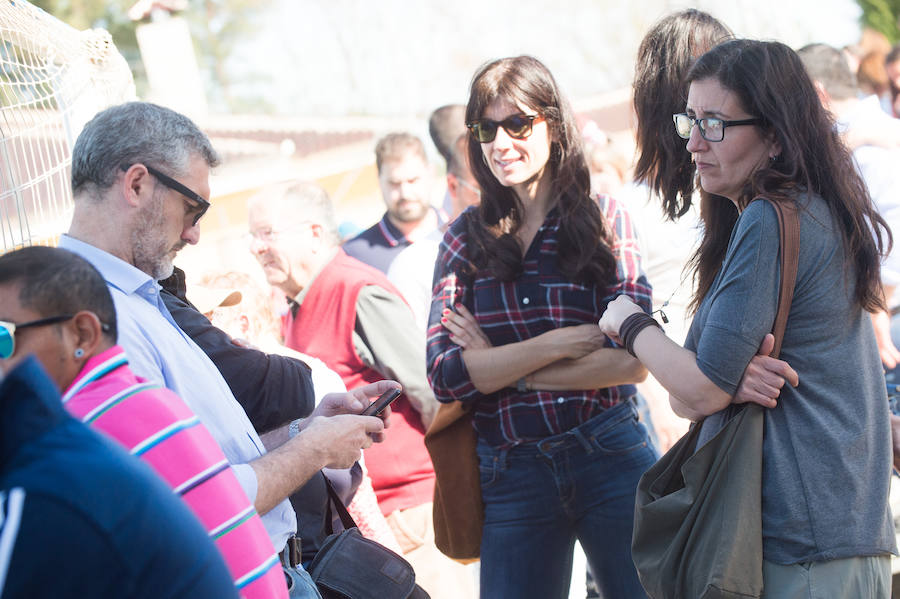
(244, 402)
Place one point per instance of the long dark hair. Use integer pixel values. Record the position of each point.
(664, 57)
(771, 83)
(584, 238)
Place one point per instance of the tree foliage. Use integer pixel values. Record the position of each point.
(882, 16)
(216, 26)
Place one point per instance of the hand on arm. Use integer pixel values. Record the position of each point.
(464, 329)
(493, 368)
(604, 367)
(764, 377)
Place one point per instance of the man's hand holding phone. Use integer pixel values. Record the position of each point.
(359, 399)
(354, 401)
(378, 407)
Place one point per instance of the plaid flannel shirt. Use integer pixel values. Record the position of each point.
(539, 300)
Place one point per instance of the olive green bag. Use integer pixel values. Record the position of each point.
(698, 513)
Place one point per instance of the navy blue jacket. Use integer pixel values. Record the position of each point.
(84, 518)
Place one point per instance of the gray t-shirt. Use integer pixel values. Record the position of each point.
(827, 445)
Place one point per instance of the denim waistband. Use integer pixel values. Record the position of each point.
(579, 436)
(597, 425)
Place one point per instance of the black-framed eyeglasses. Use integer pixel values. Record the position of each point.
(180, 188)
(711, 128)
(517, 126)
(8, 332)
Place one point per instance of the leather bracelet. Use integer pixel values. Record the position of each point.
(630, 322)
(627, 326)
(633, 325)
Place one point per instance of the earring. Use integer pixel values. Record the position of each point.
(79, 353)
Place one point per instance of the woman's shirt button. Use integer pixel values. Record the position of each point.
(526, 301)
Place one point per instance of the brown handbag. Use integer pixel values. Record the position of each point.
(458, 509)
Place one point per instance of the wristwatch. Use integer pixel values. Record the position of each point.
(522, 385)
(294, 428)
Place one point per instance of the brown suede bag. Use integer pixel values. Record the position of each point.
(458, 509)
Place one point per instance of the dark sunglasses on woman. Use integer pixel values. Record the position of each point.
(517, 126)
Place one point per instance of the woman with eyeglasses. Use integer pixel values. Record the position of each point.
(519, 283)
(755, 128)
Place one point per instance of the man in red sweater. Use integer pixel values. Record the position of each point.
(351, 317)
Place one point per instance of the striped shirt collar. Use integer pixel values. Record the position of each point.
(96, 368)
(391, 233)
(394, 236)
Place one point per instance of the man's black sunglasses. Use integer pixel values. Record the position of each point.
(180, 188)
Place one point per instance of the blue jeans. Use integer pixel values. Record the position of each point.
(540, 497)
(299, 583)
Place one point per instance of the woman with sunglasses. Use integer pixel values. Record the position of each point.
(519, 283)
(756, 128)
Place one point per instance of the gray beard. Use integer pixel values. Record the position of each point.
(163, 269)
(157, 267)
(149, 253)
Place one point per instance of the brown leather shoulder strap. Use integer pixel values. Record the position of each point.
(789, 226)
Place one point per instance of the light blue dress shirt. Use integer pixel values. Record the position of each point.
(160, 351)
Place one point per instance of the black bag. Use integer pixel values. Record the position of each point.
(350, 566)
(698, 514)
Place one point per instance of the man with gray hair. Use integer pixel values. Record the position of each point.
(404, 177)
(351, 317)
(140, 176)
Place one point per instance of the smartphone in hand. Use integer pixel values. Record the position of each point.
(384, 400)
